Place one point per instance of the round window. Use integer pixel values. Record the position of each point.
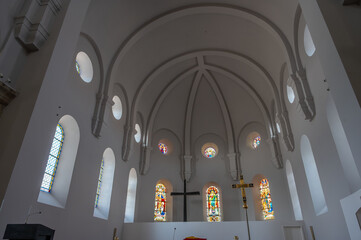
(84, 67)
(138, 133)
(308, 43)
(278, 127)
(163, 148)
(117, 108)
(254, 140)
(290, 94)
(209, 150)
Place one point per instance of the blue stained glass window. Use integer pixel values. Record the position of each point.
(99, 183)
(53, 159)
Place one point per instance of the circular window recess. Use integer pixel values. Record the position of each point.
(117, 108)
(278, 128)
(84, 67)
(165, 146)
(290, 94)
(308, 43)
(209, 150)
(138, 133)
(254, 140)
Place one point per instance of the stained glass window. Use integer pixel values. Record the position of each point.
(160, 212)
(210, 152)
(99, 183)
(163, 148)
(267, 207)
(53, 159)
(77, 66)
(256, 142)
(213, 205)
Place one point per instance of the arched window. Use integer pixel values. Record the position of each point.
(53, 159)
(313, 179)
(160, 208)
(99, 183)
(131, 194)
(265, 194)
(213, 204)
(105, 185)
(293, 192)
(58, 172)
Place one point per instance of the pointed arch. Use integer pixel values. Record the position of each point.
(212, 202)
(131, 196)
(105, 185)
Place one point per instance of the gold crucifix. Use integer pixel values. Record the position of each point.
(243, 186)
(115, 237)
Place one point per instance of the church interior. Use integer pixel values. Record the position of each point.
(134, 119)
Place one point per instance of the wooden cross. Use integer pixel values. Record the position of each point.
(243, 186)
(184, 193)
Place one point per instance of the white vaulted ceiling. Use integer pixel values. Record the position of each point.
(228, 55)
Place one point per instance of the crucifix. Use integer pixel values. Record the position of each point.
(184, 193)
(243, 187)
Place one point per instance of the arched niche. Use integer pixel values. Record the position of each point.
(105, 195)
(342, 146)
(266, 151)
(204, 200)
(131, 196)
(169, 201)
(248, 132)
(313, 178)
(60, 189)
(293, 192)
(170, 139)
(257, 200)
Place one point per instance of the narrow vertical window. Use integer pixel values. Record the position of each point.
(160, 212)
(131, 194)
(99, 183)
(213, 205)
(267, 207)
(53, 160)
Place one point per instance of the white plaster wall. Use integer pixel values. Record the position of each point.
(211, 231)
(26, 130)
(332, 180)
